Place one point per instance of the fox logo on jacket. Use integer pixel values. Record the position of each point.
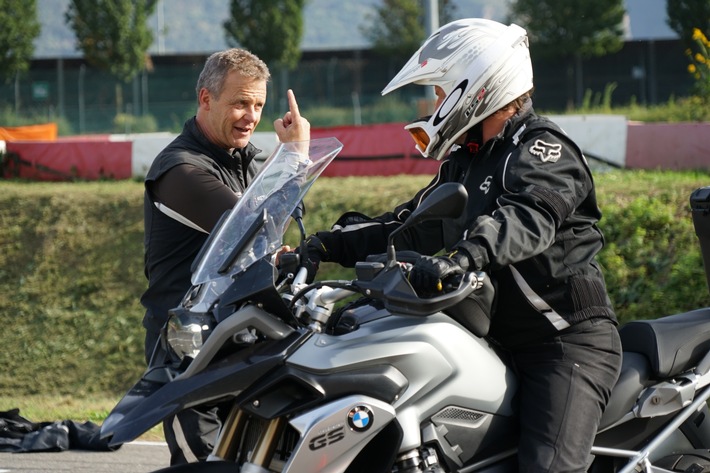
(547, 152)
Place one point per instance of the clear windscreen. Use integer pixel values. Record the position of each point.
(254, 228)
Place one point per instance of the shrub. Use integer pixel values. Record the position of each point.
(127, 123)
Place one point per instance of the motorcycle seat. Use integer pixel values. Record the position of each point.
(634, 377)
(672, 344)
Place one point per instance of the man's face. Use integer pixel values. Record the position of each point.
(230, 119)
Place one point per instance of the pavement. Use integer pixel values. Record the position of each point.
(134, 457)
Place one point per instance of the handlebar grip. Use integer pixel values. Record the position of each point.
(451, 283)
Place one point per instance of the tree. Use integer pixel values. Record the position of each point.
(19, 29)
(113, 34)
(691, 20)
(571, 30)
(397, 27)
(685, 15)
(271, 29)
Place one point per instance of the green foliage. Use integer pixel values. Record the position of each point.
(686, 15)
(271, 29)
(560, 28)
(691, 109)
(386, 110)
(126, 123)
(113, 34)
(397, 27)
(699, 65)
(328, 116)
(8, 117)
(390, 110)
(652, 260)
(71, 267)
(599, 102)
(18, 30)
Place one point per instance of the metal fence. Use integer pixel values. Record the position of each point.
(336, 87)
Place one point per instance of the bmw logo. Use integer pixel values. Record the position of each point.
(360, 418)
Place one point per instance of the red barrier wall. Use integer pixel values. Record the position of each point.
(672, 146)
(375, 150)
(67, 159)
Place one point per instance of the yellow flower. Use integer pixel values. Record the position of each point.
(700, 58)
(691, 68)
(697, 34)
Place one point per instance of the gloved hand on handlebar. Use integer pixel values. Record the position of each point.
(429, 273)
(315, 253)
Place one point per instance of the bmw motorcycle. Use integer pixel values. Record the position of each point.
(364, 375)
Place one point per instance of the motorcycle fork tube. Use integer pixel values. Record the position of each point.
(268, 440)
(227, 445)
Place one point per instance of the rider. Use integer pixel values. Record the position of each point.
(530, 222)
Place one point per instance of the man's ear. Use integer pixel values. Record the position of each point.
(204, 98)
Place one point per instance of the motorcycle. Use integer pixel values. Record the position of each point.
(364, 375)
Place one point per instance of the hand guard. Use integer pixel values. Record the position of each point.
(429, 273)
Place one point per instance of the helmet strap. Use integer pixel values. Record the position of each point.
(474, 138)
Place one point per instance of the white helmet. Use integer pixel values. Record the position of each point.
(481, 65)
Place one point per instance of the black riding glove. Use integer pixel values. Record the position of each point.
(315, 252)
(429, 273)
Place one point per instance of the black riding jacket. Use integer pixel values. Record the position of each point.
(175, 232)
(530, 222)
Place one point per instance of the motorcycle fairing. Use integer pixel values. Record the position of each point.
(333, 435)
(384, 383)
(222, 379)
(256, 285)
(463, 435)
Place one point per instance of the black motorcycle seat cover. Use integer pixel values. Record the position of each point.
(672, 344)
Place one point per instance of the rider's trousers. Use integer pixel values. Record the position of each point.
(565, 384)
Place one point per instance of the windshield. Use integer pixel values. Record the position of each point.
(255, 226)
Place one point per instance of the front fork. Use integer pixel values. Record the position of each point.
(228, 442)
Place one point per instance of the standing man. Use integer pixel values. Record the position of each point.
(191, 183)
(530, 222)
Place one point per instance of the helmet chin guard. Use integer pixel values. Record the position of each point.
(481, 65)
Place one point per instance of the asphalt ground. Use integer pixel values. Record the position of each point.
(135, 457)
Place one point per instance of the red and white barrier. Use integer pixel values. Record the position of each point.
(370, 150)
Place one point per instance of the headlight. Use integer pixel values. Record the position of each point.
(187, 332)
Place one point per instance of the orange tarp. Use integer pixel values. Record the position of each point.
(41, 132)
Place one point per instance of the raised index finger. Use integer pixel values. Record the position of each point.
(292, 104)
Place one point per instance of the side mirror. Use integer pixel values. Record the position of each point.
(446, 201)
